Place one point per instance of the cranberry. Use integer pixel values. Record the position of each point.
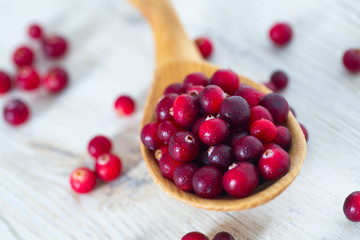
(196, 126)
(236, 136)
(203, 159)
(168, 165)
(248, 148)
(207, 182)
(5, 82)
(306, 134)
(264, 130)
(23, 56)
(183, 176)
(108, 167)
(35, 31)
(274, 163)
(259, 112)
(183, 146)
(195, 90)
(351, 60)
(186, 110)
(283, 137)
(174, 88)
(210, 99)
(221, 156)
(164, 108)
(82, 180)
(223, 236)
(16, 112)
(205, 46)
(55, 80)
(277, 106)
(193, 79)
(279, 79)
(271, 145)
(194, 236)
(28, 78)
(213, 131)
(241, 181)
(161, 151)
(251, 95)
(280, 33)
(124, 105)
(271, 86)
(167, 129)
(54, 46)
(227, 80)
(235, 111)
(352, 207)
(149, 136)
(99, 145)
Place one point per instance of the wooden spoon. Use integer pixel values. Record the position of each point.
(176, 57)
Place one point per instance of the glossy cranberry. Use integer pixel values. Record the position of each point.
(160, 151)
(236, 136)
(259, 112)
(213, 131)
(174, 88)
(352, 207)
(27, 78)
(221, 156)
(223, 236)
(195, 90)
(54, 46)
(183, 146)
(273, 164)
(23, 56)
(167, 129)
(108, 167)
(35, 31)
(55, 80)
(164, 108)
(149, 136)
(196, 126)
(279, 79)
(227, 80)
(280, 33)
(82, 180)
(99, 145)
(251, 95)
(193, 79)
(283, 137)
(205, 46)
(210, 98)
(5, 82)
(306, 134)
(271, 145)
(248, 148)
(16, 112)
(264, 130)
(194, 236)
(207, 182)
(277, 106)
(186, 110)
(271, 86)
(241, 181)
(203, 159)
(351, 60)
(235, 111)
(124, 105)
(183, 176)
(168, 165)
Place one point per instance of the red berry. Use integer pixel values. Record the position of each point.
(177, 88)
(236, 136)
(108, 167)
(35, 31)
(248, 148)
(351, 60)
(124, 105)
(23, 56)
(186, 109)
(259, 112)
(271, 145)
(283, 137)
(168, 165)
(195, 90)
(227, 80)
(27, 78)
(167, 129)
(164, 107)
(193, 79)
(221, 156)
(213, 131)
(55, 80)
(183, 146)
(306, 134)
(5, 82)
(207, 182)
(149, 136)
(279, 79)
(160, 152)
(99, 145)
(183, 176)
(211, 98)
(274, 163)
(352, 207)
(264, 130)
(251, 95)
(205, 46)
(280, 33)
(235, 111)
(54, 46)
(194, 236)
(16, 112)
(223, 236)
(277, 106)
(82, 180)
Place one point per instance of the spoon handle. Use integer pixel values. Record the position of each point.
(172, 42)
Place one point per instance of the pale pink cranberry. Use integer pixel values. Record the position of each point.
(227, 80)
(27, 78)
(251, 95)
(99, 145)
(16, 112)
(82, 180)
(205, 46)
(23, 56)
(124, 105)
(194, 236)
(352, 207)
(211, 98)
(54, 46)
(35, 31)
(108, 167)
(264, 130)
(351, 60)
(5, 82)
(186, 110)
(168, 165)
(213, 131)
(273, 164)
(280, 33)
(193, 79)
(55, 80)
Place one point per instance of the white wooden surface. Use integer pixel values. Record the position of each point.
(112, 53)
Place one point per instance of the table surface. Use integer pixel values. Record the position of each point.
(112, 52)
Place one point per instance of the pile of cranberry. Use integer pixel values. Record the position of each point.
(28, 78)
(201, 236)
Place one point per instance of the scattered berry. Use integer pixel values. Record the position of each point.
(194, 236)
(124, 105)
(99, 145)
(16, 112)
(351, 60)
(280, 33)
(108, 167)
(56, 80)
(82, 180)
(352, 207)
(23, 56)
(35, 31)
(54, 46)
(279, 79)
(5, 82)
(27, 78)
(205, 46)
(223, 236)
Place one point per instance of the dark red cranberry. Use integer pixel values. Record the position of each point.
(193, 79)
(82, 180)
(168, 165)
(264, 130)
(227, 80)
(35, 31)
(279, 79)
(203, 159)
(195, 90)
(55, 80)
(124, 105)
(23, 56)
(221, 156)
(5, 82)
(351, 60)
(164, 108)
(259, 112)
(174, 88)
(186, 110)
(271, 86)
(251, 95)
(183, 176)
(283, 137)
(196, 126)
(108, 167)
(194, 236)
(273, 164)
(306, 134)
(205, 46)
(149, 136)
(213, 131)
(352, 207)
(16, 112)
(211, 98)
(280, 33)
(167, 129)
(277, 106)
(183, 146)
(248, 148)
(241, 180)
(27, 78)
(99, 145)
(207, 182)
(223, 236)
(235, 111)
(236, 136)
(160, 151)
(271, 145)
(54, 46)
